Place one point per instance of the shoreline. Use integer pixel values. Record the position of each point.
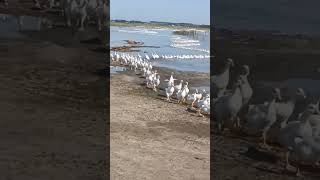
(195, 79)
(164, 137)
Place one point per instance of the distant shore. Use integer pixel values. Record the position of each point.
(154, 26)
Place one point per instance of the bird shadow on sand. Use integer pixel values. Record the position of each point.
(95, 40)
(99, 50)
(308, 171)
(37, 8)
(260, 155)
(191, 110)
(142, 84)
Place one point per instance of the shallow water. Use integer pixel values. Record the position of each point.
(200, 89)
(170, 44)
(116, 69)
(193, 65)
(13, 26)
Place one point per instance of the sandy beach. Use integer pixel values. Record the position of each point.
(152, 138)
(276, 60)
(53, 101)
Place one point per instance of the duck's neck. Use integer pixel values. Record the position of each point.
(227, 69)
(305, 116)
(271, 103)
(236, 91)
(245, 76)
(292, 102)
(185, 87)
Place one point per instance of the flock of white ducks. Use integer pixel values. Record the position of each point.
(198, 100)
(300, 138)
(155, 56)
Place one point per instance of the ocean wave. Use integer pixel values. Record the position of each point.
(184, 41)
(138, 31)
(190, 48)
(185, 44)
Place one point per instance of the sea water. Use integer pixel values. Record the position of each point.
(165, 42)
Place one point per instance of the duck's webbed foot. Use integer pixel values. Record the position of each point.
(220, 128)
(199, 113)
(298, 173)
(283, 124)
(264, 145)
(264, 136)
(238, 123)
(288, 166)
(192, 104)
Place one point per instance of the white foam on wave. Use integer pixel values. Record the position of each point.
(191, 48)
(187, 44)
(184, 41)
(138, 31)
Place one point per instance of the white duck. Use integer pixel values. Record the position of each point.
(150, 78)
(246, 89)
(221, 81)
(294, 131)
(263, 116)
(191, 98)
(181, 95)
(204, 105)
(226, 108)
(198, 97)
(178, 87)
(171, 80)
(285, 109)
(156, 83)
(306, 150)
(147, 57)
(205, 109)
(314, 119)
(169, 91)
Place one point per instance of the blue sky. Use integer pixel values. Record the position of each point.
(187, 11)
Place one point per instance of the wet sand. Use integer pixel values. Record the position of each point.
(195, 79)
(274, 59)
(53, 101)
(152, 138)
